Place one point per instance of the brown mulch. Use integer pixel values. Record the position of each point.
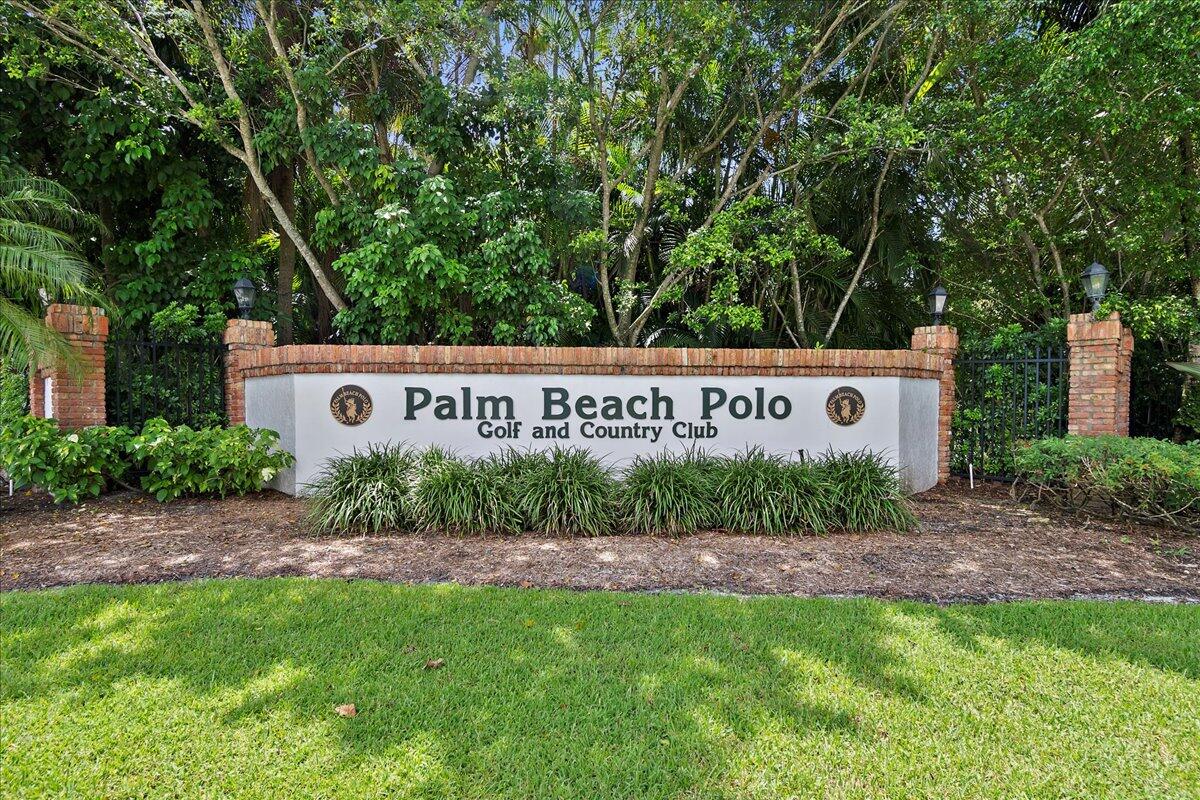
(972, 545)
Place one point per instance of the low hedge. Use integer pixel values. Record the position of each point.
(69, 465)
(168, 461)
(569, 492)
(1146, 480)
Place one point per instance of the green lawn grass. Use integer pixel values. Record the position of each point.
(228, 688)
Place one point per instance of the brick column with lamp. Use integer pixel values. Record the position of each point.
(941, 340)
(1101, 351)
(242, 336)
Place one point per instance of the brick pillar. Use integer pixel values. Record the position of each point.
(76, 389)
(242, 336)
(1100, 355)
(941, 340)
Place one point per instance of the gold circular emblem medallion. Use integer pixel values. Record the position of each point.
(845, 405)
(350, 405)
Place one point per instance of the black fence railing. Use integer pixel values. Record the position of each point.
(183, 383)
(1003, 401)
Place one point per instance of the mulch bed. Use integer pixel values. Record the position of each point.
(973, 545)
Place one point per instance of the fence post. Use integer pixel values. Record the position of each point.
(73, 394)
(941, 340)
(1100, 353)
(242, 336)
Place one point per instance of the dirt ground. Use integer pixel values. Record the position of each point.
(973, 545)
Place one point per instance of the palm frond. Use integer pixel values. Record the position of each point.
(25, 339)
(42, 201)
(39, 258)
(1192, 369)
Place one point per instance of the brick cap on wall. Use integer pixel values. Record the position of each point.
(249, 331)
(1083, 328)
(587, 361)
(935, 338)
(74, 320)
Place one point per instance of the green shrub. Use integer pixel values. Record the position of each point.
(172, 462)
(669, 494)
(466, 496)
(222, 461)
(365, 491)
(811, 498)
(758, 492)
(1148, 480)
(69, 465)
(563, 492)
(14, 392)
(866, 492)
(749, 490)
(569, 492)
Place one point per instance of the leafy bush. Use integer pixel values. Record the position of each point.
(222, 461)
(14, 392)
(1149, 480)
(466, 497)
(669, 494)
(69, 465)
(365, 491)
(562, 492)
(866, 492)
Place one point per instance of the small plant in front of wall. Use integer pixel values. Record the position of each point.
(568, 491)
(168, 462)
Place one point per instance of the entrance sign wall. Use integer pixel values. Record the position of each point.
(615, 402)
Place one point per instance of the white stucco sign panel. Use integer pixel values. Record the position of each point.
(614, 416)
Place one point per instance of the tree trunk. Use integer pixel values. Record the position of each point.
(325, 309)
(256, 210)
(1191, 175)
(866, 255)
(285, 177)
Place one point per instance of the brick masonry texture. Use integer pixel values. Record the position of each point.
(1100, 356)
(941, 342)
(243, 339)
(583, 361)
(78, 390)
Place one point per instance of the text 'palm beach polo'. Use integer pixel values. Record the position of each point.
(497, 413)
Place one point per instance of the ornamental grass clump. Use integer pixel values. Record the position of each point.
(365, 492)
(810, 499)
(669, 494)
(866, 492)
(570, 492)
(466, 497)
(758, 492)
(565, 492)
(749, 490)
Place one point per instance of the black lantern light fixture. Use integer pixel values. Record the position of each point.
(1095, 283)
(937, 303)
(244, 292)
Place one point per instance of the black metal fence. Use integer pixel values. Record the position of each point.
(1001, 401)
(183, 383)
